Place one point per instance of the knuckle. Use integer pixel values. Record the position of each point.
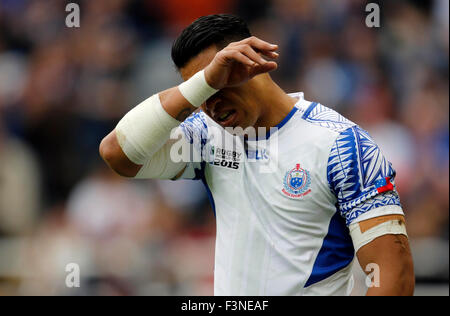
(227, 48)
(243, 47)
(229, 52)
(221, 54)
(247, 48)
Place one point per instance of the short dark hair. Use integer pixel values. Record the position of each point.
(216, 29)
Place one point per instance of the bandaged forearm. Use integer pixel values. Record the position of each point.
(144, 130)
(161, 165)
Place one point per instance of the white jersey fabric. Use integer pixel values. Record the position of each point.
(285, 231)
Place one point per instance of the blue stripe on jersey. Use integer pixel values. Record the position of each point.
(287, 118)
(280, 125)
(336, 252)
(309, 110)
(200, 175)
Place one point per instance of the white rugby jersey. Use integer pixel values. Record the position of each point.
(285, 231)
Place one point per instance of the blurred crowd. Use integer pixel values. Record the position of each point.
(63, 89)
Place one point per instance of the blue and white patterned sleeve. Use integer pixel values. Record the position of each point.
(361, 178)
(195, 131)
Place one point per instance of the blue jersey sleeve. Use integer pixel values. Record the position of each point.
(359, 175)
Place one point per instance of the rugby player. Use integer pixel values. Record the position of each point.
(294, 230)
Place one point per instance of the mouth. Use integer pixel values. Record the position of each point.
(226, 118)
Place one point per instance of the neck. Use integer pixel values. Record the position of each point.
(275, 104)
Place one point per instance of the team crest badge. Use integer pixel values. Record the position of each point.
(297, 182)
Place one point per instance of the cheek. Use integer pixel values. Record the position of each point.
(205, 109)
(248, 117)
(253, 112)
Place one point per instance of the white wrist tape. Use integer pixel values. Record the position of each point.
(385, 225)
(144, 130)
(196, 90)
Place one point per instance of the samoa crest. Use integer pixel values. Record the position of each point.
(297, 182)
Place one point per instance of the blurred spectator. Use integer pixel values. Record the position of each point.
(19, 187)
(105, 205)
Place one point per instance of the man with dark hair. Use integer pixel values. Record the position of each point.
(292, 205)
(219, 30)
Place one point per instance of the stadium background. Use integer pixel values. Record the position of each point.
(62, 90)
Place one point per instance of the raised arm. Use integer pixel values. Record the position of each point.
(173, 103)
(140, 146)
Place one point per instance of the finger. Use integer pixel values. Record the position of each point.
(270, 54)
(240, 57)
(250, 53)
(260, 44)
